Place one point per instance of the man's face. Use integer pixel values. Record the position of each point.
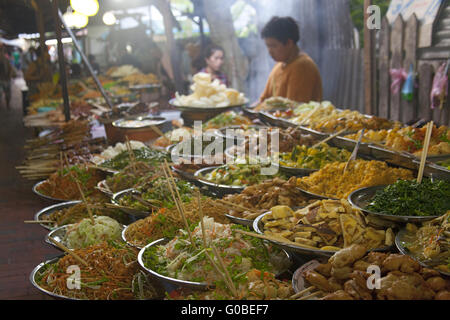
(278, 51)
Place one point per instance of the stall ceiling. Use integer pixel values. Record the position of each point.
(17, 16)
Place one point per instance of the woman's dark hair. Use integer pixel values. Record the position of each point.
(282, 29)
(211, 49)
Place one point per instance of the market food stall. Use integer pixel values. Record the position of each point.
(204, 196)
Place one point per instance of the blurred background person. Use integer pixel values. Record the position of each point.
(94, 64)
(38, 71)
(214, 59)
(6, 75)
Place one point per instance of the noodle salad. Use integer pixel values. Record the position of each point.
(179, 259)
(113, 274)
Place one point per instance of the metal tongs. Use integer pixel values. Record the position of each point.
(355, 151)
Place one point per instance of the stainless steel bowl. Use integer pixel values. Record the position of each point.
(315, 196)
(217, 188)
(124, 238)
(59, 234)
(240, 221)
(258, 227)
(172, 281)
(361, 198)
(184, 283)
(41, 215)
(399, 243)
(35, 190)
(299, 172)
(38, 269)
(132, 212)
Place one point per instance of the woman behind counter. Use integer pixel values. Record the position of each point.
(295, 76)
(214, 59)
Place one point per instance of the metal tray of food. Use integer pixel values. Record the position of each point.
(258, 227)
(400, 239)
(165, 279)
(315, 196)
(39, 268)
(240, 221)
(42, 214)
(104, 188)
(402, 159)
(214, 187)
(222, 132)
(270, 119)
(124, 238)
(361, 198)
(133, 212)
(434, 171)
(59, 234)
(299, 172)
(184, 283)
(43, 196)
(206, 110)
(349, 144)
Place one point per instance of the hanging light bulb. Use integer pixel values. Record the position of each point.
(109, 18)
(75, 19)
(87, 7)
(80, 20)
(69, 19)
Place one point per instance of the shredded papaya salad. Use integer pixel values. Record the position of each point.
(180, 260)
(113, 274)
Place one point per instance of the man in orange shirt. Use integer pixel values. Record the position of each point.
(295, 76)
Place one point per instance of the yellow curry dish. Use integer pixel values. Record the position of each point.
(334, 181)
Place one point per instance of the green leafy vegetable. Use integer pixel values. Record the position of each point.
(409, 198)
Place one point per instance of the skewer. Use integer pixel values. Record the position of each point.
(301, 293)
(178, 205)
(355, 151)
(425, 151)
(61, 163)
(329, 138)
(68, 251)
(131, 154)
(201, 218)
(235, 205)
(225, 279)
(38, 221)
(315, 294)
(146, 203)
(224, 267)
(270, 238)
(311, 113)
(80, 190)
(158, 131)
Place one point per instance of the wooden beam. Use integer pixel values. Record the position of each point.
(397, 38)
(61, 61)
(37, 5)
(368, 62)
(383, 67)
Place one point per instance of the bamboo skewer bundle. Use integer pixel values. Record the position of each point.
(68, 251)
(423, 158)
(178, 204)
(81, 191)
